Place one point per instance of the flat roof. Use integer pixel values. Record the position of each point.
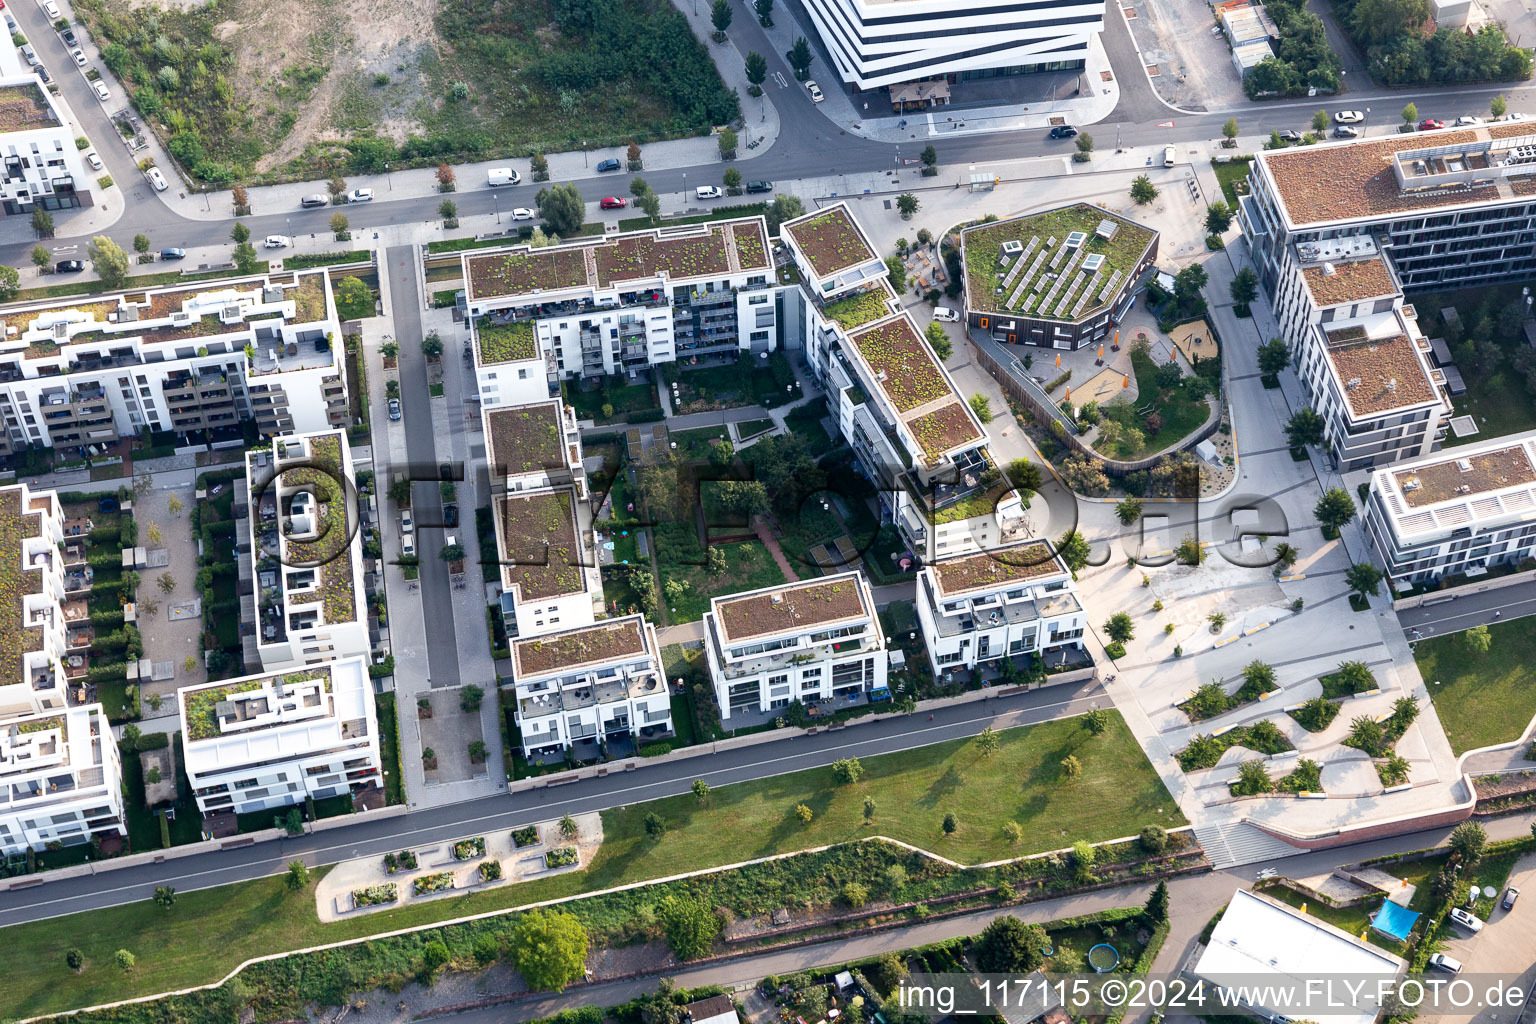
(17, 583)
(597, 644)
(1389, 370)
(25, 108)
(525, 438)
(791, 607)
(1424, 497)
(915, 385)
(830, 240)
(991, 569)
(1334, 283)
(1460, 474)
(505, 343)
(538, 544)
(332, 549)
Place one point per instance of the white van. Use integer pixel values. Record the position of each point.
(1168, 156)
(499, 176)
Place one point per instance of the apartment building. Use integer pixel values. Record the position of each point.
(307, 604)
(1059, 279)
(529, 447)
(894, 401)
(32, 595)
(190, 358)
(1009, 603)
(40, 168)
(270, 740)
(1460, 512)
(618, 304)
(580, 690)
(875, 43)
(60, 779)
(804, 642)
(550, 578)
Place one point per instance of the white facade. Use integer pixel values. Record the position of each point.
(884, 42)
(267, 741)
(589, 686)
(616, 305)
(60, 779)
(31, 604)
(308, 606)
(204, 357)
(40, 168)
(1008, 602)
(1462, 511)
(550, 578)
(796, 642)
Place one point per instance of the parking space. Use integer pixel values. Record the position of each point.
(1190, 66)
(1504, 946)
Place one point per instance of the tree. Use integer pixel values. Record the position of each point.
(124, 960)
(568, 828)
(1084, 146)
(539, 164)
(700, 789)
(246, 260)
(1498, 106)
(341, 227)
(445, 178)
(1229, 130)
(1305, 427)
(1071, 768)
(240, 233)
(1477, 639)
(638, 187)
(448, 210)
(1320, 121)
(897, 272)
(1128, 510)
(153, 775)
(1153, 839)
(141, 243)
(470, 697)
(1025, 475)
(1363, 578)
(804, 813)
(434, 957)
(655, 827)
(800, 57)
(297, 877)
(1244, 287)
(1273, 357)
(74, 958)
(938, 340)
(1120, 628)
(651, 204)
(720, 16)
(731, 179)
(1188, 282)
(764, 11)
(1252, 779)
(1157, 904)
(549, 949)
(1467, 841)
(1410, 113)
(1009, 946)
(986, 741)
(1218, 217)
(981, 405)
(1073, 549)
(336, 186)
(109, 260)
(173, 505)
(41, 257)
(1142, 190)
(1334, 508)
(784, 207)
(848, 770)
(1189, 551)
(432, 346)
(241, 199)
(1217, 620)
(907, 204)
(929, 156)
(950, 825)
(757, 67)
(562, 208)
(1097, 721)
(869, 809)
(42, 223)
(165, 896)
(689, 924)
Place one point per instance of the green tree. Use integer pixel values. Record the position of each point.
(1084, 146)
(848, 770)
(784, 207)
(1071, 768)
(655, 827)
(732, 177)
(240, 233)
(165, 896)
(930, 156)
(651, 204)
(1157, 904)
(986, 741)
(1229, 130)
(689, 924)
(568, 828)
(341, 227)
(247, 262)
(10, 283)
(756, 67)
(981, 405)
(432, 346)
(1334, 508)
(41, 257)
(1073, 549)
(1320, 121)
(297, 877)
(1025, 475)
(638, 186)
(1218, 217)
(1189, 551)
(539, 164)
(1467, 841)
(562, 208)
(109, 261)
(42, 223)
(1498, 106)
(764, 11)
(1009, 946)
(720, 15)
(1244, 287)
(1188, 282)
(1252, 779)
(950, 825)
(1128, 510)
(141, 244)
(1120, 627)
(1097, 721)
(800, 57)
(124, 960)
(938, 340)
(434, 957)
(907, 204)
(549, 949)
(804, 813)
(1363, 578)
(74, 958)
(1273, 357)
(1410, 113)
(1477, 639)
(1142, 190)
(1305, 427)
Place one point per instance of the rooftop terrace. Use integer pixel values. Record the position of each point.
(215, 709)
(538, 545)
(576, 648)
(795, 606)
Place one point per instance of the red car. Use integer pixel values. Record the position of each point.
(1429, 123)
(614, 203)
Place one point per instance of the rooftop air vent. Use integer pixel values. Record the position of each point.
(1106, 229)
(1352, 383)
(1329, 270)
(1465, 465)
(1411, 484)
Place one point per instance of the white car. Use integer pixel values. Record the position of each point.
(102, 92)
(360, 195)
(407, 521)
(94, 160)
(79, 56)
(1441, 962)
(1468, 920)
(276, 242)
(408, 546)
(52, 10)
(708, 192)
(157, 179)
(944, 313)
(815, 91)
(1468, 122)
(1169, 156)
(1348, 117)
(522, 213)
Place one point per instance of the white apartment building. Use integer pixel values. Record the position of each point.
(579, 689)
(1007, 603)
(270, 740)
(60, 779)
(31, 602)
(550, 578)
(618, 304)
(193, 358)
(1460, 512)
(40, 168)
(894, 401)
(530, 447)
(308, 603)
(885, 42)
(804, 642)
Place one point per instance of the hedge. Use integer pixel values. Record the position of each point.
(325, 259)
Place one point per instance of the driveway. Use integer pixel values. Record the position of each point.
(1505, 945)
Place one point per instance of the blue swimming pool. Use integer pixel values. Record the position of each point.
(1394, 920)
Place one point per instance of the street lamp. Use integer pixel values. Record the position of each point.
(496, 202)
(388, 179)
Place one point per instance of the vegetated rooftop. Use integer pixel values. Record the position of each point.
(589, 645)
(855, 310)
(16, 584)
(1351, 281)
(23, 108)
(945, 428)
(1442, 480)
(894, 349)
(789, 607)
(538, 545)
(1389, 372)
(990, 568)
(506, 343)
(202, 702)
(526, 270)
(332, 549)
(829, 240)
(1060, 264)
(524, 438)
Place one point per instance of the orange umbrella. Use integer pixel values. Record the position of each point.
(1058, 358)
(1069, 393)
(1117, 336)
(1101, 351)
(1125, 380)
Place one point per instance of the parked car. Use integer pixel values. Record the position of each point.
(69, 266)
(708, 192)
(1510, 895)
(79, 56)
(94, 160)
(1466, 919)
(1169, 156)
(499, 176)
(815, 91)
(944, 313)
(1429, 124)
(360, 195)
(158, 180)
(613, 203)
(312, 201)
(604, 166)
(522, 213)
(42, 73)
(30, 54)
(407, 521)
(1348, 117)
(1441, 962)
(759, 186)
(52, 10)
(408, 546)
(1290, 136)
(69, 37)
(173, 254)
(1063, 131)
(276, 242)
(10, 23)
(1346, 132)
(1468, 122)
(394, 408)
(100, 89)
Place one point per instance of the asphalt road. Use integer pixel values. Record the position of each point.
(1455, 615)
(650, 781)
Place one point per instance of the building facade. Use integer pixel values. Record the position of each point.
(1460, 512)
(580, 690)
(60, 779)
(1012, 602)
(886, 42)
(803, 642)
(32, 595)
(40, 168)
(268, 741)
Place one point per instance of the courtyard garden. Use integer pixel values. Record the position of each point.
(1481, 698)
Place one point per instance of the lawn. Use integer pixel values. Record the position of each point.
(624, 398)
(748, 566)
(804, 421)
(211, 930)
(1482, 699)
(693, 445)
(1496, 397)
(753, 427)
(1233, 176)
(1179, 414)
(389, 747)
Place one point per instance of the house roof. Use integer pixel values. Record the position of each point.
(714, 1009)
(1390, 373)
(525, 438)
(1461, 473)
(538, 545)
(1423, 497)
(991, 569)
(794, 606)
(606, 641)
(24, 108)
(1335, 283)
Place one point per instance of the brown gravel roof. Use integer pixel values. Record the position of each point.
(1490, 471)
(978, 572)
(538, 546)
(524, 438)
(23, 108)
(589, 645)
(1378, 362)
(793, 606)
(830, 240)
(1349, 282)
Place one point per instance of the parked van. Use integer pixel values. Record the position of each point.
(1169, 155)
(30, 54)
(499, 176)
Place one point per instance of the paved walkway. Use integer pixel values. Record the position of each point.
(764, 534)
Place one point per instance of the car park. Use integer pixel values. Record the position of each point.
(815, 91)
(1063, 131)
(944, 313)
(79, 56)
(100, 89)
(310, 202)
(759, 186)
(394, 408)
(1466, 919)
(1429, 124)
(522, 213)
(1348, 117)
(613, 203)
(173, 254)
(69, 266)
(94, 160)
(604, 166)
(360, 195)
(1510, 895)
(157, 179)
(1441, 962)
(276, 242)
(708, 192)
